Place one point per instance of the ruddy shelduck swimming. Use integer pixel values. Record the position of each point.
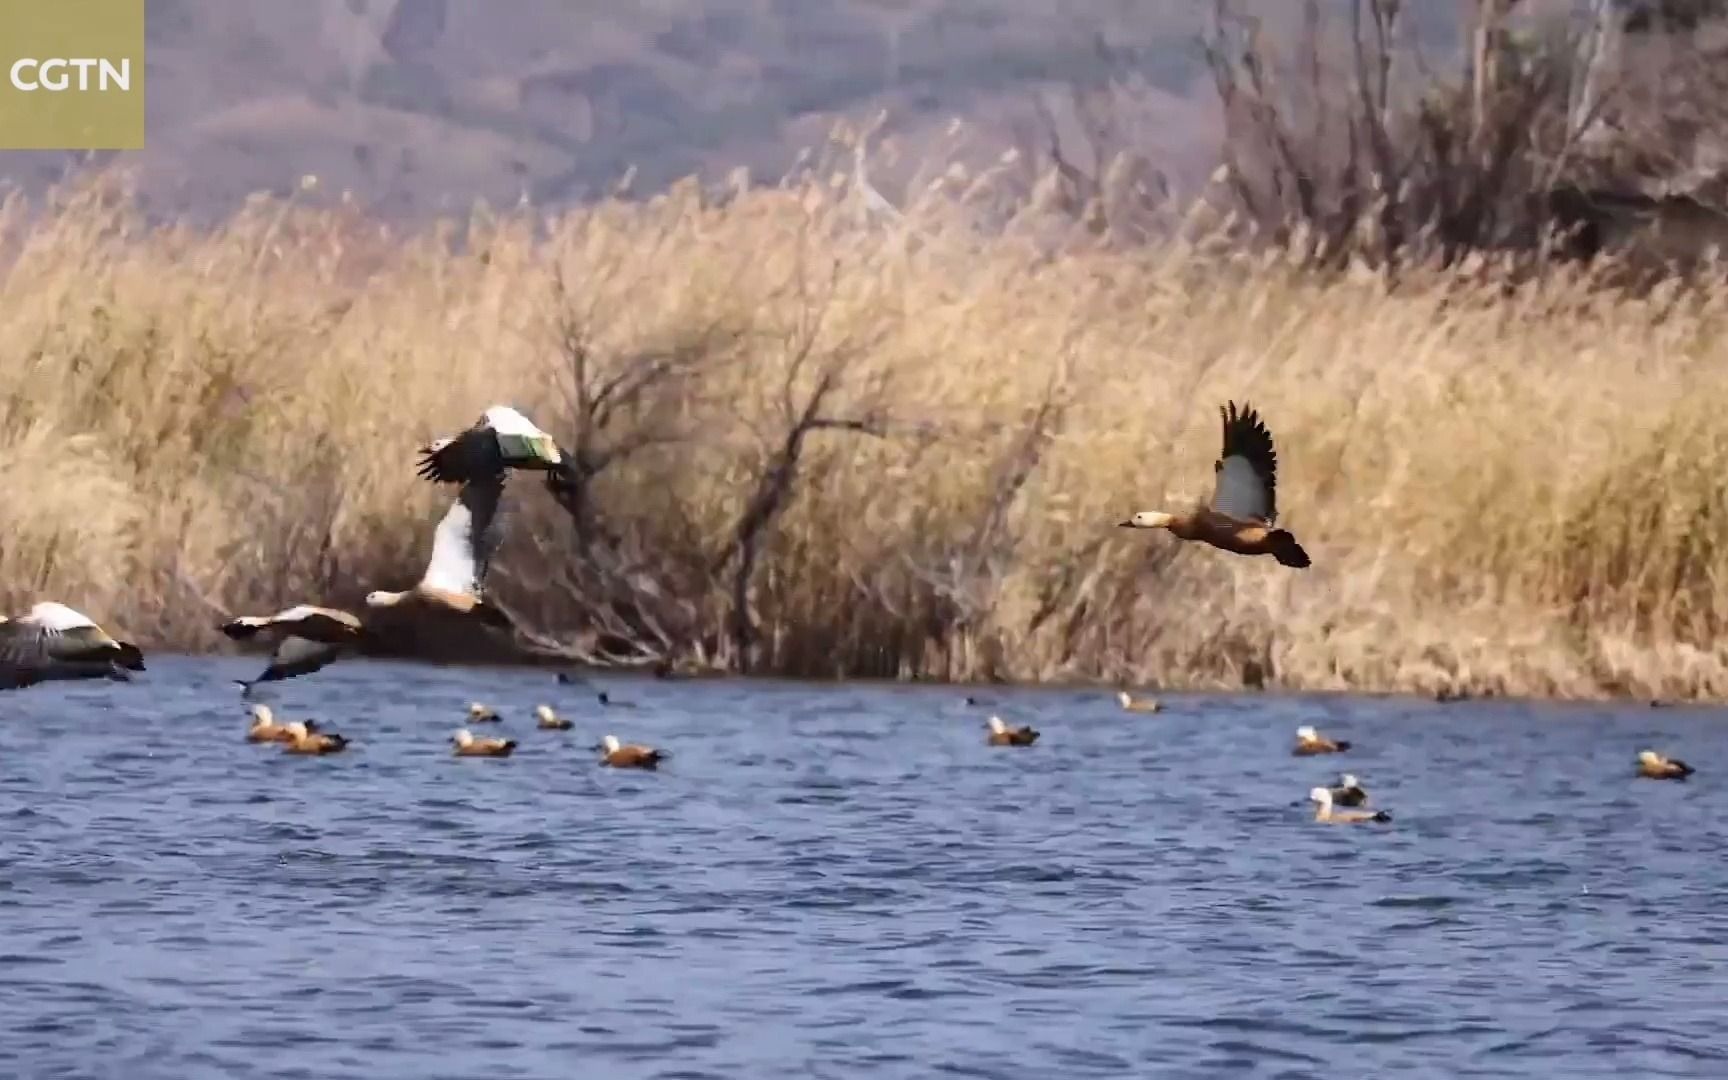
(468, 746)
(1326, 813)
(304, 739)
(547, 720)
(1133, 704)
(627, 755)
(1655, 766)
(265, 728)
(1309, 741)
(1244, 504)
(1003, 735)
(1348, 792)
(481, 714)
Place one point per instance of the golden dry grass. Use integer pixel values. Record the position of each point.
(1519, 493)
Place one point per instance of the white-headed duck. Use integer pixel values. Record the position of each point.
(466, 745)
(1003, 735)
(1309, 741)
(628, 755)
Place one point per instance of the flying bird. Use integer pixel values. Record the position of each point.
(501, 439)
(310, 638)
(1244, 504)
(54, 643)
(307, 638)
(462, 549)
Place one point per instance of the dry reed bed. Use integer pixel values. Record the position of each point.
(1519, 493)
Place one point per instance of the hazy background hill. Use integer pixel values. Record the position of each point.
(414, 104)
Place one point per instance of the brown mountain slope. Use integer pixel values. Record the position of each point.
(417, 104)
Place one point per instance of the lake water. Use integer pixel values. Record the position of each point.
(844, 881)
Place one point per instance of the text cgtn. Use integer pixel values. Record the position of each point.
(55, 74)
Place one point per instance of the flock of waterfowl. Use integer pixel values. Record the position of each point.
(53, 642)
(308, 737)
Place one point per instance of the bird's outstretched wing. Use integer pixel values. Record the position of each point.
(501, 439)
(1246, 472)
(472, 455)
(466, 537)
(24, 649)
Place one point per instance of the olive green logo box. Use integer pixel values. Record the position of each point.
(71, 74)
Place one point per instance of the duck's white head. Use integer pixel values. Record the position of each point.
(997, 725)
(381, 598)
(54, 616)
(1348, 780)
(1124, 697)
(544, 712)
(1307, 733)
(1148, 519)
(609, 743)
(1321, 796)
(262, 715)
(477, 709)
(463, 737)
(1649, 757)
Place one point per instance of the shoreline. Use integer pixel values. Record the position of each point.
(982, 688)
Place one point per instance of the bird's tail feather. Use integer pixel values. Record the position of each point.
(1287, 551)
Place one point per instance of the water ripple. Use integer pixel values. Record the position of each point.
(844, 881)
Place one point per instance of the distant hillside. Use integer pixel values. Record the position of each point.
(414, 104)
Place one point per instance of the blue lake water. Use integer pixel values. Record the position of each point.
(844, 881)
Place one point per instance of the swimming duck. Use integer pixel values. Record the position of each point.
(304, 738)
(1347, 792)
(1244, 504)
(1342, 817)
(551, 721)
(607, 701)
(468, 746)
(501, 439)
(1132, 704)
(1655, 766)
(53, 643)
(265, 728)
(1308, 741)
(1002, 735)
(628, 755)
(480, 714)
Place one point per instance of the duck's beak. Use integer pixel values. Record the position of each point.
(1124, 524)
